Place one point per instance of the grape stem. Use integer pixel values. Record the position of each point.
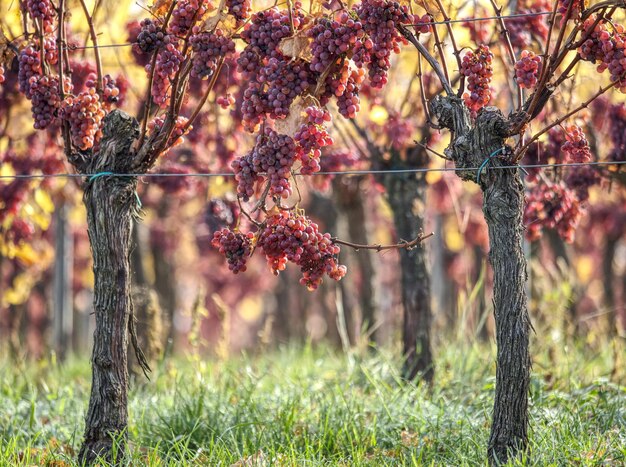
(560, 120)
(509, 48)
(402, 244)
(96, 50)
(432, 61)
(67, 142)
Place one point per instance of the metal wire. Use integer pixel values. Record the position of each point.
(344, 172)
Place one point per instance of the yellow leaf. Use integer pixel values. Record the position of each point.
(44, 201)
(379, 114)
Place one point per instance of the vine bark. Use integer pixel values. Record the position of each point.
(472, 142)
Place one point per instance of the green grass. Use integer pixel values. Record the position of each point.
(315, 407)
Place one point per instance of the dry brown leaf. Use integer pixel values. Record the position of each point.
(290, 125)
(6, 52)
(257, 459)
(297, 46)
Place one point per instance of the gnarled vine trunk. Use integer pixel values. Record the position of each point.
(402, 194)
(473, 142)
(111, 205)
(503, 204)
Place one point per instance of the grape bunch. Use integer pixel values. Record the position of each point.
(576, 146)
(263, 35)
(225, 101)
(527, 69)
(380, 18)
(167, 64)
(551, 207)
(477, 68)
(273, 155)
(290, 236)
(311, 137)
(84, 113)
(523, 28)
(150, 37)
(44, 11)
(254, 105)
(29, 66)
(208, 48)
(45, 100)
(285, 80)
(185, 15)
(235, 246)
(345, 85)
(333, 39)
(576, 8)
(176, 136)
(607, 47)
(113, 91)
(2, 77)
(398, 131)
(580, 179)
(240, 10)
(617, 131)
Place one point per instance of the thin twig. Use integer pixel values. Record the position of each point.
(558, 121)
(509, 48)
(196, 112)
(96, 50)
(403, 244)
(432, 61)
(67, 142)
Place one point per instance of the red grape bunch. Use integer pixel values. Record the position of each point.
(285, 80)
(311, 137)
(290, 236)
(607, 47)
(527, 69)
(167, 64)
(2, 77)
(580, 179)
(617, 131)
(551, 206)
(345, 85)
(176, 136)
(84, 113)
(29, 61)
(235, 246)
(527, 25)
(333, 39)
(398, 131)
(380, 18)
(273, 156)
(240, 10)
(185, 15)
(263, 35)
(576, 146)
(150, 37)
(44, 11)
(45, 100)
(477, 68)
(208, 48)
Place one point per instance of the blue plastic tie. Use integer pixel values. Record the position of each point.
(485, 162)
(101, 174)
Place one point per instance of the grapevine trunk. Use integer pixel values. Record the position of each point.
(406, 198)
(474, 143)
(503, 204)
(110, 203)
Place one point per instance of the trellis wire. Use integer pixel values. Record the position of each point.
(343, 172)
